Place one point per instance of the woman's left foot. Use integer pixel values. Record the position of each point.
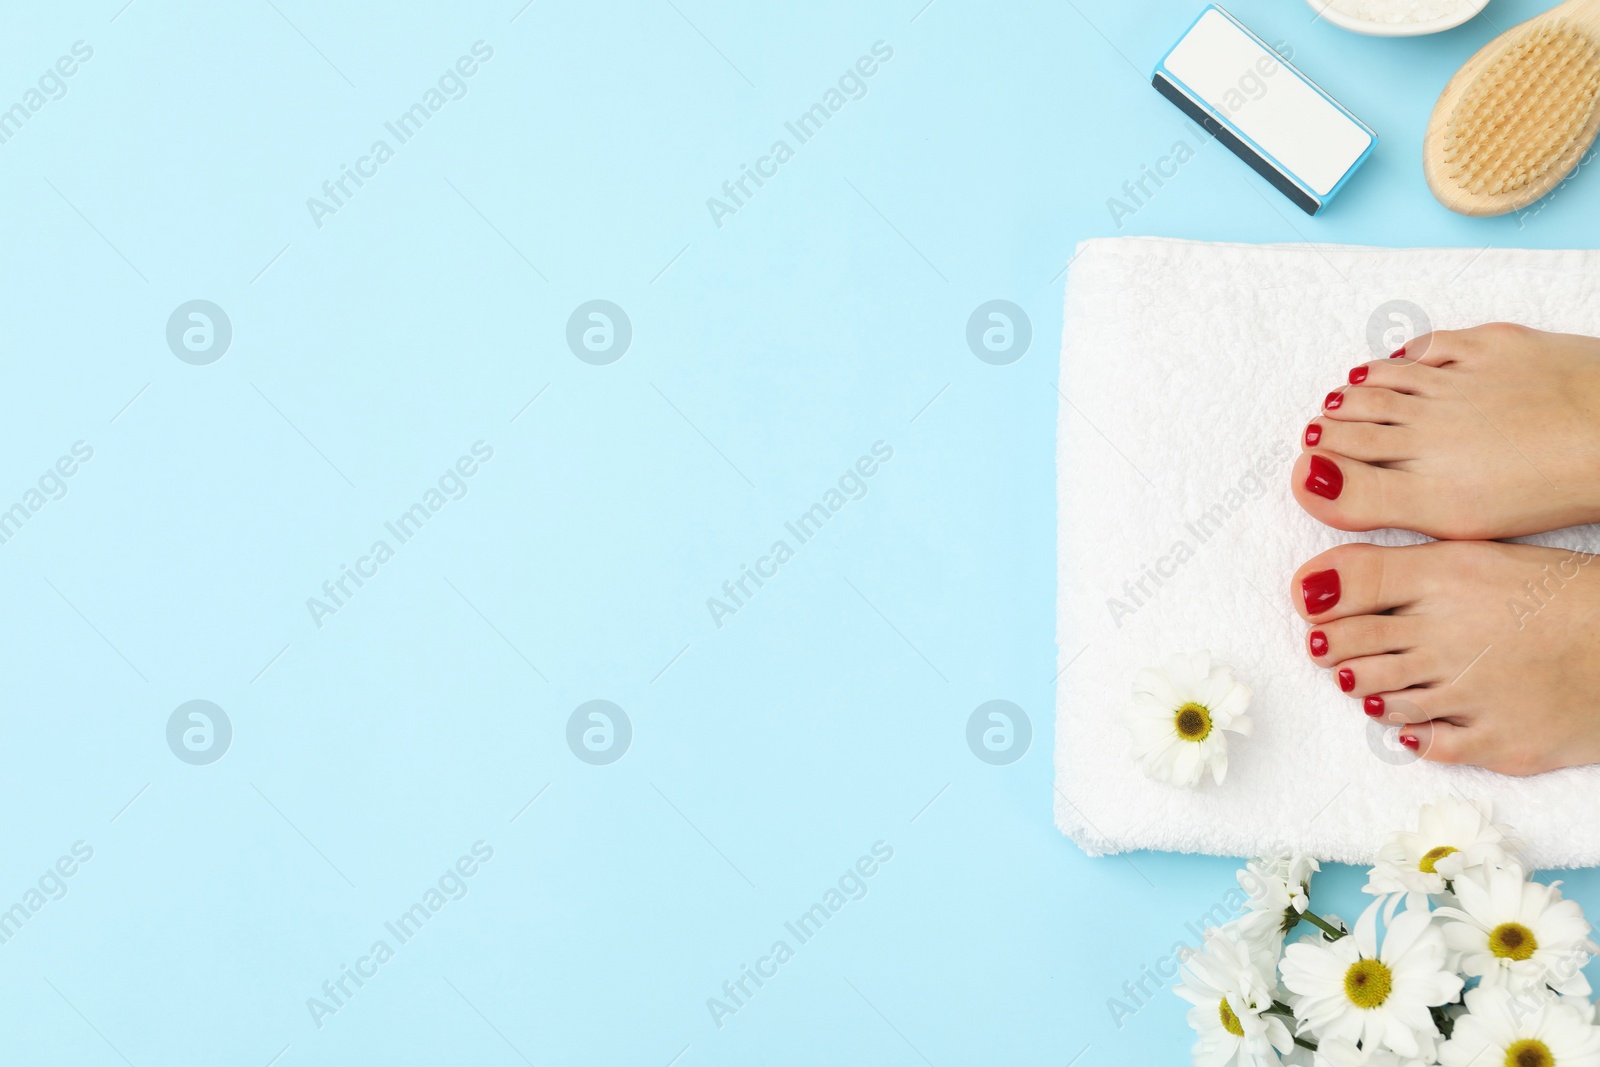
(1481, 433)
(1487, 653)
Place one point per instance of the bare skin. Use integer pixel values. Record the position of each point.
(1482, 433)
(1485, 652)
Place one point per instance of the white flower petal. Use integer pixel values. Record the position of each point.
(1150, 718)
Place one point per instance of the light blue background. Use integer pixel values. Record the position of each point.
(828, 714)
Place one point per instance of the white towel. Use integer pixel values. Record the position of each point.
(1188, 372)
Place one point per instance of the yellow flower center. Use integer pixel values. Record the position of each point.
(1512, 941)
(1367, 983)
(1433, 856)
(1193, 722)
(1529, 1053)
(1230, 1021)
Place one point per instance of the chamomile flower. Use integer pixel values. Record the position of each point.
(1502, 1028)
(1230, 989)
(1352, 988)
(1452, 836)
(1513, 932)
(1278, 883)
(1278, 889)
(1180, 715)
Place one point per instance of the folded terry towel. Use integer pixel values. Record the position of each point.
(1188, 372)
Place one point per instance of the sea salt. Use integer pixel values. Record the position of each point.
(1398, 10)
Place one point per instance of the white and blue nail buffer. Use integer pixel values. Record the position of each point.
(1268, 113)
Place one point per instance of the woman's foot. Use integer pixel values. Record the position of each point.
(1480, 433)
(1488, 652)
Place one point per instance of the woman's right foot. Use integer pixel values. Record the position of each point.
(1472, 434)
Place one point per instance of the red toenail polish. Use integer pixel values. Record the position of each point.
(1358, 375)
(1347, 679)
(1373, 706)
(1318, 642)
(1333, 400)
(1320, 591)
(1410, 742)
(1313, 435)
(1398, 353)
(1324, 478)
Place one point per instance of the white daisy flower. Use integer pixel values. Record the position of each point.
(1179, 717)
(1278, 889)
(1500, 1028)
(1513, 932)
(1279, 883)
(1262, 931)
(1350, 988)
(1452, 835)
(1230, 989)
(1341, 1052)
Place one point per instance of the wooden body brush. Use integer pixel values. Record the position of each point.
(1519, 115)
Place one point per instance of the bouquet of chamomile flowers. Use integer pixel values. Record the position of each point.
(1461, 960)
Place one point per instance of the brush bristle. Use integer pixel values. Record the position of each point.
(1531, 111)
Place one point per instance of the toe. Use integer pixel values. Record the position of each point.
(1441, 741)
(1401, 376)
(1348, 494)
(1367, 403)
(1416, 705)
(1355, 579)
(1384, 673)
(1369, 442)
(1441, 347)
(1332, 643)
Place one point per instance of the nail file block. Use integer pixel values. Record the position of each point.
(1266, 111)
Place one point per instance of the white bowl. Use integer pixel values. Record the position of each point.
(1469, 10)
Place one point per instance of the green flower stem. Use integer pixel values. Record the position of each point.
(1303, 1043)
(1322, 924)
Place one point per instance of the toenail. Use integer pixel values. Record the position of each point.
(1398, 353)
(1333, 400)
(1318, 642)
(1358, 375)
(1320, 591)
(1347, 679)
(1373, 706)
(1324, 478)
(1410, 742)
(1313, 435)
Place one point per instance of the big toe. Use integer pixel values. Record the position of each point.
(1345, 493)
(1354, 579)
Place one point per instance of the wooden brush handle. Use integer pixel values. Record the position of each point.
(1585, 13)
